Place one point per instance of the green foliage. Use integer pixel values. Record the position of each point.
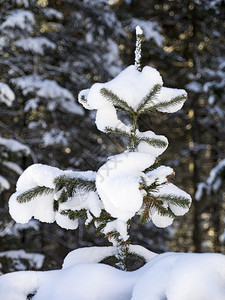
(145, 102)
(165, 104)
(157, 143)
(33, 193)
(70, 186)
(72, 183)
(74, 214)
(117, 102)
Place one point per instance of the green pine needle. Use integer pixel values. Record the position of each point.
(117, 131)
(157, 143)
(33, 193)
(166, 104)
(116, 101)
(176, 200)
(165, 212)
(157, 202)
(146, 100)
(74, 214)
(71, 183)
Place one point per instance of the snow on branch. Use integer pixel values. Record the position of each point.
(23, 19)
(213, 183)
(50, 89)
(139, 36)
(36, 45)
(14, 146)
(7, 96)
(49, 194)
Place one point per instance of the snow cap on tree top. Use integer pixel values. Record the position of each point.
(139, 30)
(139, 91)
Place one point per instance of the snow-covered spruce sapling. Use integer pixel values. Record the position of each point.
(129, 183)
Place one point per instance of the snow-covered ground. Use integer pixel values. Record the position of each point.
(171, 276)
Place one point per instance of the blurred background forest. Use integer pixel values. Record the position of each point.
(52, 49)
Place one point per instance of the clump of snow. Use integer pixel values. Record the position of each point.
(142, 252)
(163, 192)
(211, 99)
(23, 19)
(132, 87)
(118, 182)
(7, 96)
(88, 255)
(167, 94)
(64, 222)
(41, 206)
(92, 255)
(35, 45)
(172, 276)
(118, 226)
(83, 200)
(14, 229)
(38, 175)
(146, 147)
(159, 175)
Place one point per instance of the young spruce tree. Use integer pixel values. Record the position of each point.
(128, 184)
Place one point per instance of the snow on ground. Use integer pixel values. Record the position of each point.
(171, 276)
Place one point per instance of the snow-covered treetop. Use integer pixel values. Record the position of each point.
(140, 92)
